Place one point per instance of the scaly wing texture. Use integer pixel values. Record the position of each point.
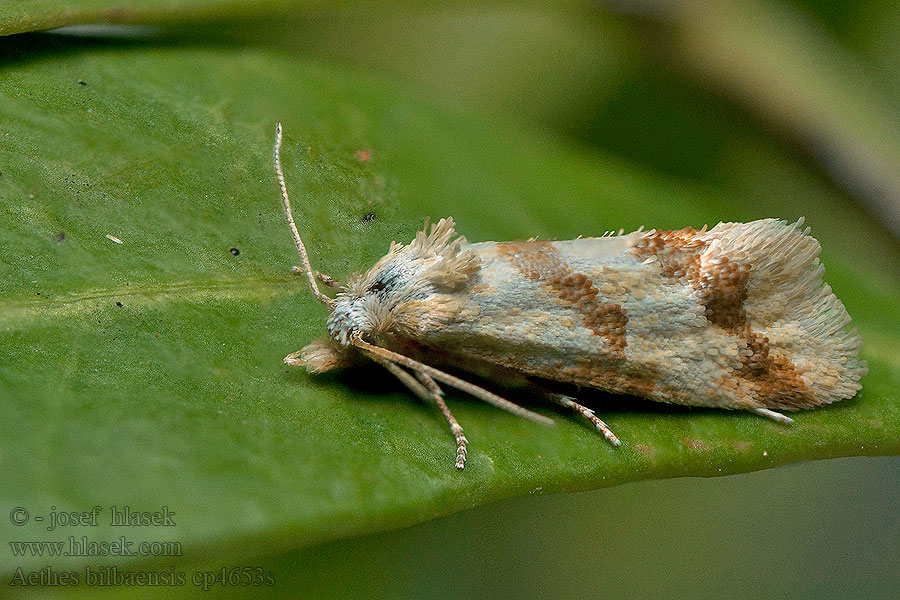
(735, 317)
(798, 351)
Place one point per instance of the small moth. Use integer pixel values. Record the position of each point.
(734, 317)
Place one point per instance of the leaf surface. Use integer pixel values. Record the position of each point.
(148, 373)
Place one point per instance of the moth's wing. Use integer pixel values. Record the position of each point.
(736, 317)
(795, 346)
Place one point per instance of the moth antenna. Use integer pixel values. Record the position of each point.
(290, 219)
(460, 384)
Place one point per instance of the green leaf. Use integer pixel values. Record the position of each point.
(33, 15)
(148, 373)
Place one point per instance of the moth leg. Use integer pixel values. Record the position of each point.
(460, 384)
(327, 280)
(587, 413)
(775, 416)
(437, 394)
(429, 390)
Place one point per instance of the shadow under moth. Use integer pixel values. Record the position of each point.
(734, 317)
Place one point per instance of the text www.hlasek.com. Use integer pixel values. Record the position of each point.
(82, 546)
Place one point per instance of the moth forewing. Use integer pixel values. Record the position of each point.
(734, 317)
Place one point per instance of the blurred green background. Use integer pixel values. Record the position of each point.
(759, 105)
(827, 529)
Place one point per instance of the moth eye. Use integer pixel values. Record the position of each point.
(382, 284)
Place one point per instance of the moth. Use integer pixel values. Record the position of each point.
(733, 317)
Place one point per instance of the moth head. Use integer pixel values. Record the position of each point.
(409, 289)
